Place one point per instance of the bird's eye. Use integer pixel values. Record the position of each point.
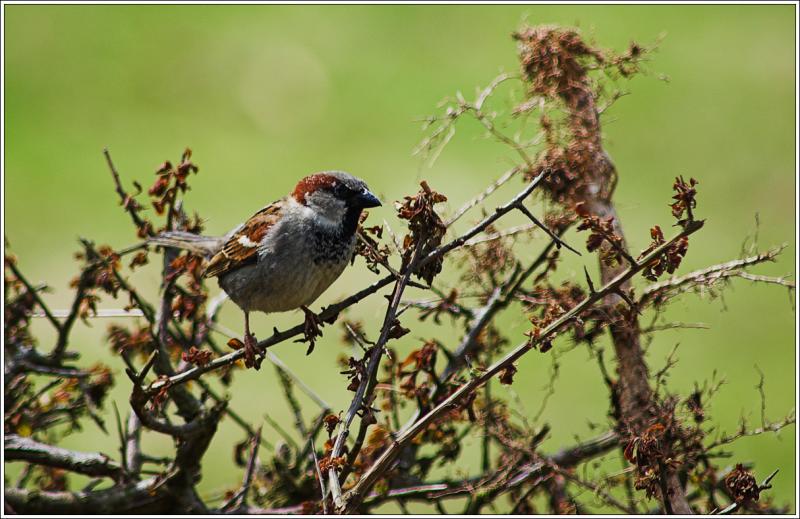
(341, 191)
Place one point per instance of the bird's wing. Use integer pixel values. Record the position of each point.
(242, 247)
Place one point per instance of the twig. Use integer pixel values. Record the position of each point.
(126, 201)
(188, 405)
(143, 496)
(35, 294)
(743, 432)
(294, 405)
(599, 492)
(553, 236)
(489, 220)
(494, 186)
(316, 427)
(66, 327)
(498, 300)
(233, 415)
(482, 319)
(709, 275)
(123, 444)
(238, 499)
(675, 325)
(322, 404)
(435, 143)
(63, 372)
(101, 313)
(767, 279)
(505, 233)
(763, 395)
(319, 478)
(565, 458)
(24, 403)
(280, 430)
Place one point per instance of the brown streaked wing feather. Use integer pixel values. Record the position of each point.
(242, 248)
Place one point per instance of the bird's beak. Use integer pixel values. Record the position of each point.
(367, 199)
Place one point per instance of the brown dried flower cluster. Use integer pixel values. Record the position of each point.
(426, 227)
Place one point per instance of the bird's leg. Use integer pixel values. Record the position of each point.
(251, 346)
(312, 328)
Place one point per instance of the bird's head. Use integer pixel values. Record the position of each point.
(336, 196)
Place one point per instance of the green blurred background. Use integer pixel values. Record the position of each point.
(267, 94)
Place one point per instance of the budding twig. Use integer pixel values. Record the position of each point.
(126, 200)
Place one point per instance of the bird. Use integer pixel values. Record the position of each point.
(288, 253)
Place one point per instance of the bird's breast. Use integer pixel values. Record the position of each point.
(294, 268)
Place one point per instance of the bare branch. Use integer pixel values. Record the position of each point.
(10, 263)
(139, 498)
(505, 233)
(237, 500)
(133, 449)
(19, 448)
(712, 275)
(320, 479)
(599, 492)
(744, 432)
(494, 186)
(553, 236)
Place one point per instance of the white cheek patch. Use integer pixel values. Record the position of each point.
(244, 241)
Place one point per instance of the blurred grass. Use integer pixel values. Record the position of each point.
(267, 94)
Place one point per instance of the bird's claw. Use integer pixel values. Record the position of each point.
(252, 355)
(311, 329)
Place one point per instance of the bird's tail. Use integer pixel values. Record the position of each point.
(202, 245)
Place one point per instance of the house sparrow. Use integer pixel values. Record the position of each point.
(289, 252)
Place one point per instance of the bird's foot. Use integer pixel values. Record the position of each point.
(252, 355)
(311, 328)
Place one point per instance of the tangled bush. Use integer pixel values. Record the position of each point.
(415, 401)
